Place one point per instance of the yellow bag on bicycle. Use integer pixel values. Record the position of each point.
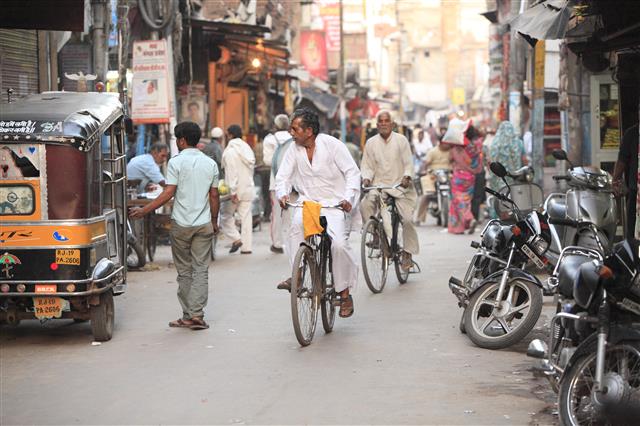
(311, 218)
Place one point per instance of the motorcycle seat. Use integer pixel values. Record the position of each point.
(568, 272)
(557, 208)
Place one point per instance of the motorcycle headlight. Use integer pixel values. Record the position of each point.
(539, 245)
(442, 178)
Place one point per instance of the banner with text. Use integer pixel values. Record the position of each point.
(150, 100)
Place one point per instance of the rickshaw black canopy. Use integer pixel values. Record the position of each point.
(59, 117)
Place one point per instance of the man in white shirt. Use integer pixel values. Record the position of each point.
(238, 162)
(387, 161)
(321, 169)
(274, 147)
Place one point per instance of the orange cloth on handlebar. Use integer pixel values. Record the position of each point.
(311, 218)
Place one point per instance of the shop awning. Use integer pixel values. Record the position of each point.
(325, 102)
(546, 20)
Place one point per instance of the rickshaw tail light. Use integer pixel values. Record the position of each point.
(4, 288)
(21, 288)
(54, 266)
(71, 288)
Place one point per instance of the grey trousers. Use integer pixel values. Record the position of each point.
(191, 250)
(406, 204)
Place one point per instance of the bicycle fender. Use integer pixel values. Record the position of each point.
(513, 273)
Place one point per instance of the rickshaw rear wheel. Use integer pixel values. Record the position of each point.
(102, 317)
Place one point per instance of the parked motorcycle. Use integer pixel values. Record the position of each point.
(501, 300)
(590, 199)
(438, 201)
(593, 356)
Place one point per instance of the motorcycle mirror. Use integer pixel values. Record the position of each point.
(559, 154)
(498, 169)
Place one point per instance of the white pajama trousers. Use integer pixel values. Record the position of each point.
(345, 264)
(277, 221)
(228, 222)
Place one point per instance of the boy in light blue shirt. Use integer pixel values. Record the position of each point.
(192, 180)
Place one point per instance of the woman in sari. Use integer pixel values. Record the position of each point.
(466, 163)
(508, 149)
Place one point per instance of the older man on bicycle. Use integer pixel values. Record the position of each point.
(387, 161)
(321, 169)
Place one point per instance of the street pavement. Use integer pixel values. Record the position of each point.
(399, 360)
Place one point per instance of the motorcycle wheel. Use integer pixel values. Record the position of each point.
(443, 218)
(135, 255)
(577, 404)
(492, 328)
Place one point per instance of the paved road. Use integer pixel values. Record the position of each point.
(399, 360)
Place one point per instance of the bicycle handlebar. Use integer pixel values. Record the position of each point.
(300, 205)
(381, 187)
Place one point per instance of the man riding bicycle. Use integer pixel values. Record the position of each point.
(387, 161)
(321, 169)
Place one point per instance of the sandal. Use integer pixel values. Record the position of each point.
(197, 323)
(181, 323)
(285, 285)
(346, 307)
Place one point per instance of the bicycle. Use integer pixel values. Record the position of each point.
(312, 285)
(377, 250)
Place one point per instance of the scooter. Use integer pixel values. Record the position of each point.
(589, 199)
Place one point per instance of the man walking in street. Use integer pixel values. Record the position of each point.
(238, 162)
(387, 161)
(192, 178)
(320, 167)
(274, 146)
(213, 149)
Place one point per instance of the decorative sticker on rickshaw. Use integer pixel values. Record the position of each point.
(59, 237)
(7, 262)
(19, 161)
(16, 200)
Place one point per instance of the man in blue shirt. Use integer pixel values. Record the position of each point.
(192, 180)
(146, 167)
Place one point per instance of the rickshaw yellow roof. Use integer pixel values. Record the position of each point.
(59, 117)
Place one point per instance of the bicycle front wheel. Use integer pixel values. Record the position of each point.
(304, 297)
(374, 259)
(327, 307)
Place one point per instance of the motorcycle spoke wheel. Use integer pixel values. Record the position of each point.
(579, 405)
(374, 260)
(493, 325)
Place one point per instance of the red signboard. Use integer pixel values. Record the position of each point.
(313, 53)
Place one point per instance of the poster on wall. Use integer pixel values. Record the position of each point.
(193, 105)
(313, 53)
(150, 99)
(330, 15)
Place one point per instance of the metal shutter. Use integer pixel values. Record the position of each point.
(18, 63)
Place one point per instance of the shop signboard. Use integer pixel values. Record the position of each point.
(150, 100)
(330, 14)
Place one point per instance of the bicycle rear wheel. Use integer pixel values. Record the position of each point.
(304, 298)
(374, 259)
(327, 307)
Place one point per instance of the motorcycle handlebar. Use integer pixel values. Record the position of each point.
(561, 177)
(564, 222)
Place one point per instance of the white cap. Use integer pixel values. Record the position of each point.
(217, 133)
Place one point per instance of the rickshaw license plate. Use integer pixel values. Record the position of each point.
(48, 307)
(68, 257)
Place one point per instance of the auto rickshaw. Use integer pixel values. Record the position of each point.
(63, 230)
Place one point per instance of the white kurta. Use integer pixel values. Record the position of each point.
(332, 177)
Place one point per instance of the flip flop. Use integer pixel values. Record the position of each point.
(349, 310)
(198, 324)
(181, 323)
